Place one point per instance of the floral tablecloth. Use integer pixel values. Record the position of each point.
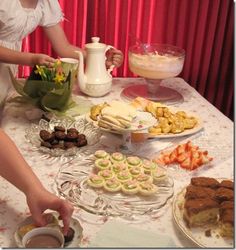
(217, 134)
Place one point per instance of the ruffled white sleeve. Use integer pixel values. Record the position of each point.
(52, 13)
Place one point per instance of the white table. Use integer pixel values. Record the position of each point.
(217, 128)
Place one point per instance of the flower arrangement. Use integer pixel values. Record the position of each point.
(49, 88)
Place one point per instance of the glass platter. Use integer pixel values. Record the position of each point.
(150, 120)
(206, 142)
(91, 132)
(70, 183)
(197, 235)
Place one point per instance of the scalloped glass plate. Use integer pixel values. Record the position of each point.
(206, 142)
(197, 235)
(91, 132)
(70, 183)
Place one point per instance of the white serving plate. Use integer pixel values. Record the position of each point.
(142, 122)
(197, 234)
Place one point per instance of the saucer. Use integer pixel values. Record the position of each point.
(74, 224)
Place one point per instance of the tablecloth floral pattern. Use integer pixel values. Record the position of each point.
(217, 133)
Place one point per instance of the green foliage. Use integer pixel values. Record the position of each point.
(53, 95)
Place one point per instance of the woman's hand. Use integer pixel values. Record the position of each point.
(114, 57)
(40, 200)
(42, 59)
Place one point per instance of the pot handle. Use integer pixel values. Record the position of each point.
(112, 66)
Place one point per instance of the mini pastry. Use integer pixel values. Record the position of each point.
(59, 135)
(46, 136)
(72, 130)
(147, 188)
(124, 176)
(101, 154)
(158, 175)
(69, 144)
(106, 174)
(144, 178)
(130, 187)
(117, 157)
(59, 128)
(71, 137)
(70, 235)
(46, 144)
(112, 185)
(148, 166)
(118, 167)
(102, 164)
(95, 181)
(82, 143)
(133, 161)
(136, 171)
(81, 137)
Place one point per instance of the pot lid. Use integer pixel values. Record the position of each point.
(95, 44)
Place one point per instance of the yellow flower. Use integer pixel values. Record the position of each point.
(59, 78)
(58, 62)
(40, 70)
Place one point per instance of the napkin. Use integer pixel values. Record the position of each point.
(118, 234)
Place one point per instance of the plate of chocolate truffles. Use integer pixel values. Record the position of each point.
(63, 136)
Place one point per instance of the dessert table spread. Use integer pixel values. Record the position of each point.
(216, 135)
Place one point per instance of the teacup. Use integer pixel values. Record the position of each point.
(43, 237)
(70, 65)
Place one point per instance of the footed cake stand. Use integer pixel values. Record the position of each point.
(142, 122)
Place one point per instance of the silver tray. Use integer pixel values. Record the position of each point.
(91, 132)
(70, 183)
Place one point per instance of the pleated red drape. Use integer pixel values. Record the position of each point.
(204, 28)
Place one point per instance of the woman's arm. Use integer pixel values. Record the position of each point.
(23, 58)
(60, 43)
(63, 48)
(15, 169)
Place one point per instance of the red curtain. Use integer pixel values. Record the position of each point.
(204, 28)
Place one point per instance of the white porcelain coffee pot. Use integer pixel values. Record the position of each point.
(94, 79)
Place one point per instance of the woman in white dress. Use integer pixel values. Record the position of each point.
(18, 18)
